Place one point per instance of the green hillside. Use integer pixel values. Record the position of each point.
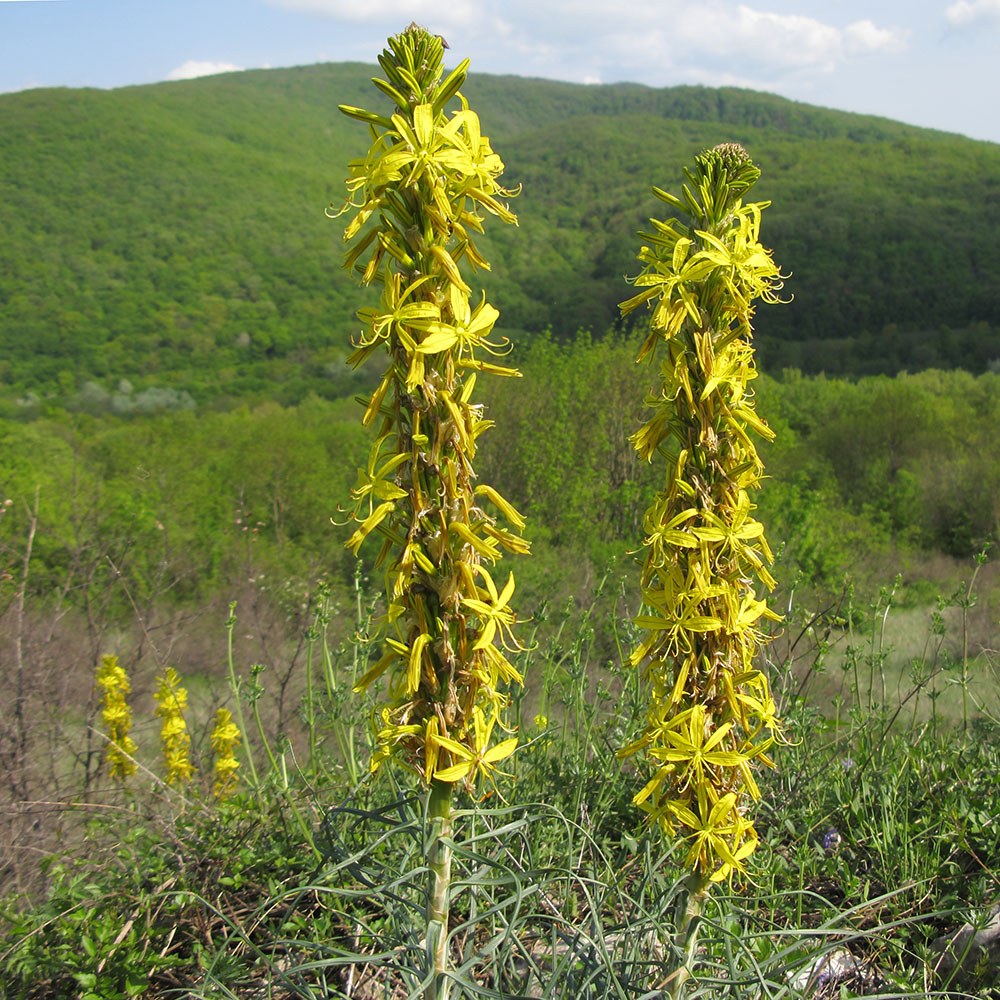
(167, 243)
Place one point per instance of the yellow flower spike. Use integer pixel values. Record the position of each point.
(710, 718)
(225, 737)
(117, 717)
(171, 701)
(418, 200)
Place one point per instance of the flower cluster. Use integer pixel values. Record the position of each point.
(711, 716)
(117, 716)
(224, 737)
(171, 702)
(421, 195)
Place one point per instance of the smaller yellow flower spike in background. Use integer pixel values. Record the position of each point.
(420, 196)
(711, 717)
(171, 701)
(224, 737)
(117, 716)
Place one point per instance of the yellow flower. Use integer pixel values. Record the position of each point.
(117, 718)
(479, 761)
(719, 834)
(225, 735)
(171, 700)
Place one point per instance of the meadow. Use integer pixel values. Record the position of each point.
(877, 828)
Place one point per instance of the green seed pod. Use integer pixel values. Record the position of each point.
(420, 195)
(711, 716)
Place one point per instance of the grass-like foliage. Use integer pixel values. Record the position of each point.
(876, 838)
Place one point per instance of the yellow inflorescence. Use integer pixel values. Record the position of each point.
(711, 716)
(171, 701)
(225, 737)
(421, 195)
(117, 716)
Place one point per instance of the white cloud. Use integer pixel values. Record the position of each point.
(193, 68)
(864, 36)
(429, 12)
(719, 40)
(965, 12)
(647, 41)
(787, 38)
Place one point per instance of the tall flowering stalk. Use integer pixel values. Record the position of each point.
(711, 718)
(117, 717)
(421, 195)
(224, 737)
(171, 702)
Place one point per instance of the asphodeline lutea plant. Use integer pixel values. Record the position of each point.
(117, 717)
(224, 737)
(171, 702)
(427, 179)
(711, 718)
(421, 195)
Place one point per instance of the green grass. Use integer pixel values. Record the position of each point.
(560, 891)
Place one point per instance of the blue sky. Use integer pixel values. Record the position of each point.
(927, 62)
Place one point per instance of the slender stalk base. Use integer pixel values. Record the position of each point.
(439, 865)
(688, 921)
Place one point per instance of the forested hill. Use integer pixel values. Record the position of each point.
(173, 235)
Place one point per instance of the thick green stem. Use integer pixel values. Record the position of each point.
(688, 921)
(439, 867)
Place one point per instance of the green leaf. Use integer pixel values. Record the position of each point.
(135, 984)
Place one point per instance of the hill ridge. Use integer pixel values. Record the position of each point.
(161, 231)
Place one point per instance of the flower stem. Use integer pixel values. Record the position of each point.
(688, 921)
(439, 847)
(234, 686)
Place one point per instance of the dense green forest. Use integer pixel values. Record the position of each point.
(186, 509)
(165, 246)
